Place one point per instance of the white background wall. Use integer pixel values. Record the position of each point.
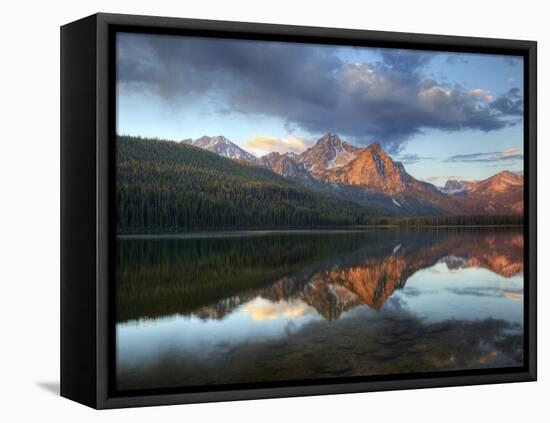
(29, 178)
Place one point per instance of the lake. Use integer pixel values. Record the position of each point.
(241, 307)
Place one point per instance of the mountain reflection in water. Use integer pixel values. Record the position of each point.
(283, 306)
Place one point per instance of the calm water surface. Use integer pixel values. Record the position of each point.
(268, 306)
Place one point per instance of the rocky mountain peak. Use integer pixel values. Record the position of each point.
(499, 183)
(329, 152)
(454, 187)
(509, 177)
(373, 169)
(375, 146)
(331, 139)
(371, 174)
(284, 164)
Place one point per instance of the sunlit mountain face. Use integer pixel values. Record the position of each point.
(296, 212)
(317, 304)
(370, 176)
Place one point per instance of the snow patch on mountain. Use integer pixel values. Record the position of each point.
(329, 152)
(223, 147)
(454, 187)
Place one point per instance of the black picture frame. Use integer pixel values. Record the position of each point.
(87, 223)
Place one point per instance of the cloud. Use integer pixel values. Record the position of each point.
(412, 158)
(262, 310)
(512, 153)
(453, 59)
(481, 93)
(496, 156)
(309, 87)
(405, 60)
(513, 61)
(514, 295)
(510, 104)
(262, 144)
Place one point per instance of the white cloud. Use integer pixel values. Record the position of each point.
(513, 152)
(263, 144)
(261, 309)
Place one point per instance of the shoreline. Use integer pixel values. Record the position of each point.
(262, 232)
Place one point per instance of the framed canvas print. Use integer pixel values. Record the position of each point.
(255, 211)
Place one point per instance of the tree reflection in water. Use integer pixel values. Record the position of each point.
(333, 295)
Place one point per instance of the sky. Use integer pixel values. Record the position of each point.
(444, 115)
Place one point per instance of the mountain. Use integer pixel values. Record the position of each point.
(372, 169)
(367, 176)
(500, 183)
(329, 152)
(374, 177)
(371, 276)
(223, 147)
(500, 194)
(373, 280)
(454, 187)
(370, 177)
(286, 165)
(370, 270)
(165, 186)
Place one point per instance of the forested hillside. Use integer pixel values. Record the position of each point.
(165, 186)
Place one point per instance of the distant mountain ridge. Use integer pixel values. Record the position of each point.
(180, 188)
(222, 146)
(369, 176)
(499, 194)
(454, 187)
(284, 164)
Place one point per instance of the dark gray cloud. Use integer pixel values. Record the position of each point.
(495, 156)
(510, 104)
(309, 88)
(406, 61)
